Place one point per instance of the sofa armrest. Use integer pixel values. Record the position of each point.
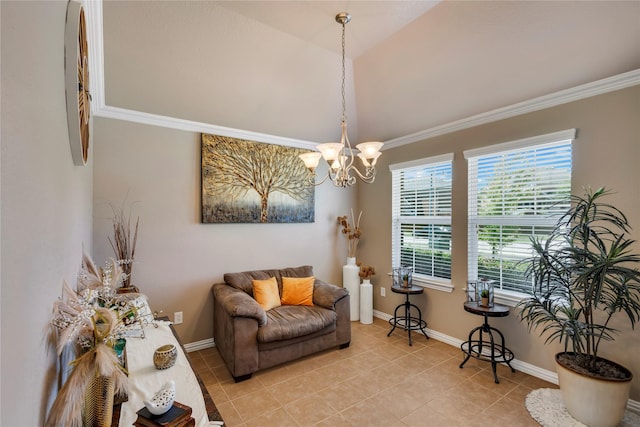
(327, 295)
(238, 304)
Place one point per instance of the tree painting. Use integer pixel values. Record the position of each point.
(248, 182)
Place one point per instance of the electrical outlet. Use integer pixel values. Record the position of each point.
(383, 291)
(177, 317)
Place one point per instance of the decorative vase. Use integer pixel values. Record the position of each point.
(165, 356)
(351, 282)
(366, 302)
(162, 400)
(98, 402)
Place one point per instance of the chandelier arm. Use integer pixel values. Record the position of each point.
(369, 176)
(312, 179)
(344, 139)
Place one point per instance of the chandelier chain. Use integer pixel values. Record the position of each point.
(344, 104)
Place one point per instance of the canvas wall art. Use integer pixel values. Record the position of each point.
(253, 182)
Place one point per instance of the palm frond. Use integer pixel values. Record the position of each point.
(586, 265)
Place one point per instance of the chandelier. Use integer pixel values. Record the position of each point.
(339, 155)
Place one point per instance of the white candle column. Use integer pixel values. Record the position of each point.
(351, 282)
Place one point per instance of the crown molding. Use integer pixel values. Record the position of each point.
(93, 14)
(587, 90)
(93, 9)
(198, 127)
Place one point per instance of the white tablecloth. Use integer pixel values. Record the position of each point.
(145, 379)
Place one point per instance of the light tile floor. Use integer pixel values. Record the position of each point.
(377, 381)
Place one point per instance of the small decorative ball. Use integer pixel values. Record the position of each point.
(165, 357)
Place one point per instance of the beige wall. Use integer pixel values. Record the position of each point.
(606, 153)
(46, 203)
(201, 61)
(177, 257)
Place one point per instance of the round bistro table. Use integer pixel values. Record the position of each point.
(406, 321)
(483, 347)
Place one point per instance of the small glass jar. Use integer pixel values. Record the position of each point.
(484, 293)
(471, 290)
(402, 277)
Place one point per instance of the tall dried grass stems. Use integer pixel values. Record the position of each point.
(123, 244)
(353, 234)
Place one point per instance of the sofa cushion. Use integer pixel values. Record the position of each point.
(266, 293)
(297, 290)
(291, 321)
(243, 280)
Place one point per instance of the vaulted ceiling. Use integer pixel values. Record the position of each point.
(274, 67)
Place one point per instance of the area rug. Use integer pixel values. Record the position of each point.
(546, 407)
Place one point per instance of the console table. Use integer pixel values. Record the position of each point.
(145, 379)
(486, 348)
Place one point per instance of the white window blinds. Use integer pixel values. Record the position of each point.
(421, 215)
(516, 190)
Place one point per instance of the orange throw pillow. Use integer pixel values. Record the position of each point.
(266, 293)
(297, 290)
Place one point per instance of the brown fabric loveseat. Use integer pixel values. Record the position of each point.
(250, 338)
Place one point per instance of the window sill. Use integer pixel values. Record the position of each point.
(442, 286)
(510, 299)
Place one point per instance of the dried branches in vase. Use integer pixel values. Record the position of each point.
(353, 234)
(123, 244)
(367, 271)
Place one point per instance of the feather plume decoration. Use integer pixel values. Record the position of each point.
(89, 276)
(95, 317)
(67, 408)
(72, 316)
(117, 275)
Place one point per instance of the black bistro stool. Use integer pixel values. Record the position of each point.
(487, 349)
(406, 321)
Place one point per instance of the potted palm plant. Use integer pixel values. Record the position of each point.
(584, 274)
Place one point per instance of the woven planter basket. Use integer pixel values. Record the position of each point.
(98, 402)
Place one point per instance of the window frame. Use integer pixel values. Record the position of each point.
(506, 296)
(397, 221)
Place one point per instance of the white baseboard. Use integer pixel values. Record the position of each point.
(519, 365)
(199, 345)
(633, 405)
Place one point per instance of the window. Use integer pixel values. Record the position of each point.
(516, 190)
(421, 215)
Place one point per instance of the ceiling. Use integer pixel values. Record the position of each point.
(371, 21)
(272, 67)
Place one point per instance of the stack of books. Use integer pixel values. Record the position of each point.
(178, 416)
